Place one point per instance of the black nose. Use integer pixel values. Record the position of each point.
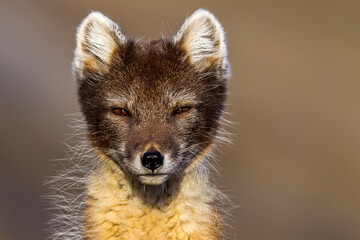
(152, 160)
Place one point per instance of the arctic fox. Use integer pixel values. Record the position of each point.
(152, 111)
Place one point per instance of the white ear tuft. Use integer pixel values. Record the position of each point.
(96, 40)
(203, 39)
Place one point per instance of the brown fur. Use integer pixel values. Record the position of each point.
(151, 80)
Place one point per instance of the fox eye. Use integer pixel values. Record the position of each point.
(120, 111)
(182, 110)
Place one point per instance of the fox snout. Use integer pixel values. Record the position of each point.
(154, 165)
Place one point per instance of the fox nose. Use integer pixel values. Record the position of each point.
(152, 160)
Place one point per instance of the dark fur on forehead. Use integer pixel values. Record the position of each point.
(157, 61)
(147, 56)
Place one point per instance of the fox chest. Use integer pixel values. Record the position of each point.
(134, 222)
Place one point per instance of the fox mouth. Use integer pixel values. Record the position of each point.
(153, 178)
(153, 174)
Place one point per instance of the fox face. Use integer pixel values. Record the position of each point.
(153, 108)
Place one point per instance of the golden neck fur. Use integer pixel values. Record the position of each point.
(118, 208)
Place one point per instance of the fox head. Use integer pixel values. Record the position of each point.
(153, 108)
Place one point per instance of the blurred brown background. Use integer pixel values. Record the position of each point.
(295, 94)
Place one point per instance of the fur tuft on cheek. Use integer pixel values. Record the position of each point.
(97, 39)
(203, 39)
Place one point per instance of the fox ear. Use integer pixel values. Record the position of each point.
(97, 39)
(203, 39)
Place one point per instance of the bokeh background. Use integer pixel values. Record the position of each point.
(294, 168)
